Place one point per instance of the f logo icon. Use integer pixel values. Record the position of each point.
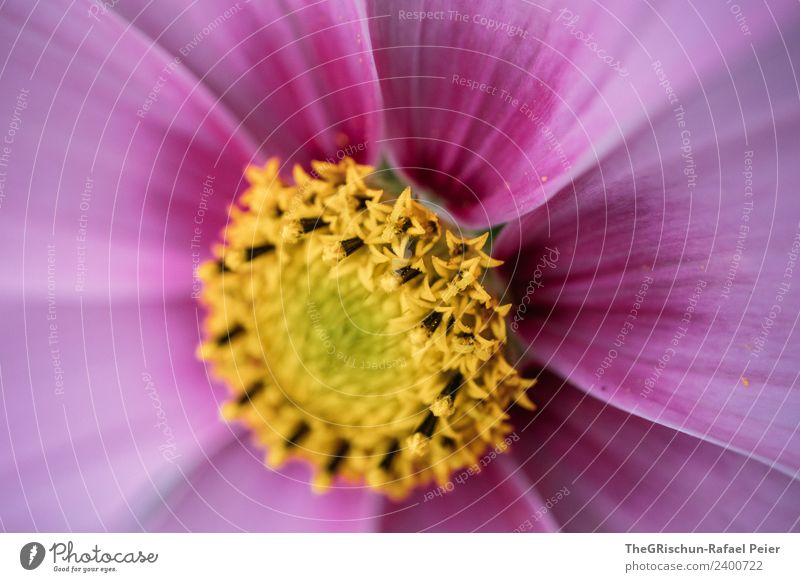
(31, 555)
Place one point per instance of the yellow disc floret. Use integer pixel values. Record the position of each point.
(355, 330)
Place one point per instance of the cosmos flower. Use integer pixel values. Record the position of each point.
(634, 164)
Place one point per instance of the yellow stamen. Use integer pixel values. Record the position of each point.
(354, 331)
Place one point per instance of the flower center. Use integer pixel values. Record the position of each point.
(353, 330)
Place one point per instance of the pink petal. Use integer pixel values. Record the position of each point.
(624, 473)
(234, 491)
(110, 150)
(298, 74)
(549, 105)
(498, 498)
(707, 243)
(102, 413)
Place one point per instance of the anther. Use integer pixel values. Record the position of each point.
(432, 321)
(444, 405)
(338, 457)
(451, 389)
(432, 227)
(351, 245)
(386, 462)
(465, 339)
(231, 334)
(252, 253)
(338, 251)
(391, 281)
(251, 392)
(418, 442)
(406, 274)
(459, 250)
(297, 228)
(427, 426)
(311, 224)
(298, 434)
(397, 228)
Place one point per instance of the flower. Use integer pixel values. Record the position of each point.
(641, 160)
(356, 331)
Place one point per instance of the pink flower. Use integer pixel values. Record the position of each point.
(642, 158)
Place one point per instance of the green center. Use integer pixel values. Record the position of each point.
(329, 344)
